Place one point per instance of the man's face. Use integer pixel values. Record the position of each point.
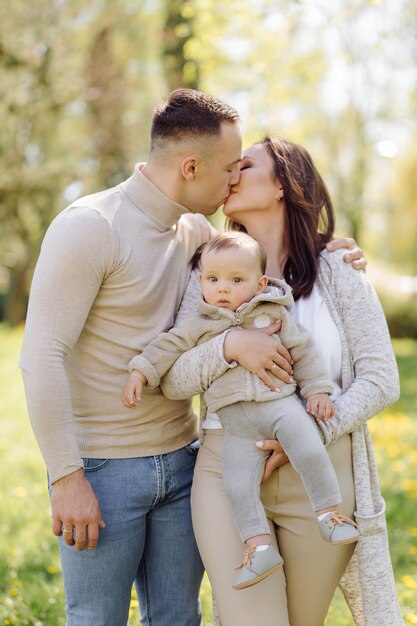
(217, 173)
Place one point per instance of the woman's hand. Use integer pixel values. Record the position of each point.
(355, 254)
(277, 458)
(256, 351)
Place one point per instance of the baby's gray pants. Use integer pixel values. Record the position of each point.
(285, 419)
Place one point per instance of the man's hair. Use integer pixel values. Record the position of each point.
(188, 114)
(236, 240)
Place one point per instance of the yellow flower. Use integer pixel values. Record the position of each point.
(409, 582)
(409, 486)
(13, 592)
(413, 550)
(411, 618)
(21, 492)
(51, 569)
(413, 532)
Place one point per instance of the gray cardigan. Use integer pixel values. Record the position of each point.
(370, 384)
(237, 384)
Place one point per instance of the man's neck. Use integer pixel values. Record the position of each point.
(161, 178)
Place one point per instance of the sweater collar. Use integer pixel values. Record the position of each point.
(151, 200)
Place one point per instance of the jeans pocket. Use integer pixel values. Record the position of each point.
(193, 447)
(94, 465)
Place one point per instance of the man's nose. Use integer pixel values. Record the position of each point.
(235, 177)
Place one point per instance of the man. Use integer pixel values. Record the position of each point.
(110, 277)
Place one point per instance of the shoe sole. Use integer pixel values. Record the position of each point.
(343, 543)
(254, 581)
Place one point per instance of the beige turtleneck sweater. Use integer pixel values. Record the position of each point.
(110, 277)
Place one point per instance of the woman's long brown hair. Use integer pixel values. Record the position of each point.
(309, 216)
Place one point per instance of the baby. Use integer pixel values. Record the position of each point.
(236, 293)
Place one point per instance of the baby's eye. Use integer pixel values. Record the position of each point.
(236, 280)
(212, 279)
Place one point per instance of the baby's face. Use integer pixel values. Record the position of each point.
(230, 277)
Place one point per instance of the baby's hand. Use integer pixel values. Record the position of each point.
(321, 406)
(132, 391)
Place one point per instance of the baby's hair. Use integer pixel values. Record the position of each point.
(228, 240)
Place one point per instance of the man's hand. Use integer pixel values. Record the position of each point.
(256, 351)
(277, 458)
(321, 406)
(76, 511)
(132, 391)
(355, 254)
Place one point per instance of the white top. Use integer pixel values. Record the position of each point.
(312, 313)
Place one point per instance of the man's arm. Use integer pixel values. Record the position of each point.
(70, 269)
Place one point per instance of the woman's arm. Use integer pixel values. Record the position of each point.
(375, 382)
(255, 350)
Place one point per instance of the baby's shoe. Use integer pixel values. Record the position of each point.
(338, 529)
(256, 566)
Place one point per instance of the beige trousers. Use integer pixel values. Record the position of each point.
(298, 594)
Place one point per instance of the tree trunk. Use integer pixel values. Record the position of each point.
(180, 70)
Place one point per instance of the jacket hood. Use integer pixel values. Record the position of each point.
(277, 292)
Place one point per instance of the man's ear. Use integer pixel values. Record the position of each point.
(263, 283)
(189, 166)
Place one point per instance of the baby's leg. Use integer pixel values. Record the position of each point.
(300, 439)
(243, 465)
(298, 435)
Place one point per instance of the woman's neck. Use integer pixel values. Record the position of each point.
(271, 238)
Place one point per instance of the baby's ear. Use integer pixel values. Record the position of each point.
(263, 283)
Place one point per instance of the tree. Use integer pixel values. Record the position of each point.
(180, 68)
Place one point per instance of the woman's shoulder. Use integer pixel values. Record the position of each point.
(333, 267)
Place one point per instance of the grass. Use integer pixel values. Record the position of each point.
(30, 578)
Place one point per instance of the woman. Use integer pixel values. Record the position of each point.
(282, 202)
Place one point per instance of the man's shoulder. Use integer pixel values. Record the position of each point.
(195, 229)
(90, 211)
(198, 222)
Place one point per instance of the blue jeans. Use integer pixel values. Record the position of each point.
(148, 540)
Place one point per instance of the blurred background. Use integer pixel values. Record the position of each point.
(78, 83)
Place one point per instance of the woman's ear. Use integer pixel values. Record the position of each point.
(189, 166)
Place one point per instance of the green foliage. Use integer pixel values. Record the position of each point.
(78, 86)
(30, 579)
(402, 316)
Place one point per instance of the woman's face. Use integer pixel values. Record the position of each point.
(257, 189)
